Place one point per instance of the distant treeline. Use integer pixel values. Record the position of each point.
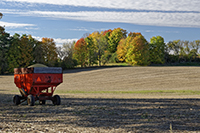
(117, 46)
(97, 48)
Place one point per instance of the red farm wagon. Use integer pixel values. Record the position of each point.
(37, 83)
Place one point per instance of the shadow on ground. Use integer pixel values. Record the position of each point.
(76, 70)
(129, 114)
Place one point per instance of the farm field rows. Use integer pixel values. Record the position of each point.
(110, 99)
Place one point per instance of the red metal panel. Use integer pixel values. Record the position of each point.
(53, 79)
(36, 83)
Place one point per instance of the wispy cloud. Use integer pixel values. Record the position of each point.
(140, 18)
(164, 5)
(15, 25)
(159, 31)
(87, 29)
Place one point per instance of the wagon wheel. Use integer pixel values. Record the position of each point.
(56, 100)
(16, 99)
(42, 102)
(31, 100)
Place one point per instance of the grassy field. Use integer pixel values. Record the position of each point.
(110, 99)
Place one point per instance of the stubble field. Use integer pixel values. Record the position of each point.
(111, 99)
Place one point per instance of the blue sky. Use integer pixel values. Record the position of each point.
(68, 20)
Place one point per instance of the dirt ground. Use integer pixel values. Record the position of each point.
(107, 112)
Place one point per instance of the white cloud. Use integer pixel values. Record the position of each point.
(140, 18)
(58, 41)
(15, 25)
(160, 5)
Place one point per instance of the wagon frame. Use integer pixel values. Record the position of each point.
(37, 83)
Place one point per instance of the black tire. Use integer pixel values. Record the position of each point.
(56, 100)
(42, 102)
(31, 100)
(16, 99)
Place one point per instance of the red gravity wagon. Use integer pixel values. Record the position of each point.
(37, 83)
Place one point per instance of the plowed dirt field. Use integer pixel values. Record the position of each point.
(110, 99)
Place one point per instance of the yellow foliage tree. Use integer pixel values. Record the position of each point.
(122, 49)
(49, 48)
(134, 50)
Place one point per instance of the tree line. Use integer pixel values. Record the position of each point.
(97, 48)
(113, 46)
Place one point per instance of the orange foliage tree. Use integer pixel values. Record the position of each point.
(80, 52)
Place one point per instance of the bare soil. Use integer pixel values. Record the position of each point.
(93, 112)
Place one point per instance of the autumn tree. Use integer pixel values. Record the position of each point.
(80, 52)
(106, 34)
(122, 49)
(115, 36)
(157, 50)
(49, 49)
(138, 50)
(99, 46)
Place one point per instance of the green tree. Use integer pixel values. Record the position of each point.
(115, 36)
(4, 45)
(5, 40)
(20, 52)
(102, 45)
(14, 55)
(38, 52)
(194, 48)
(26, 50)
(157, 50)
(91, 50)
(173, 49)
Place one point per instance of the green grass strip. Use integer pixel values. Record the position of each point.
(185, 92)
